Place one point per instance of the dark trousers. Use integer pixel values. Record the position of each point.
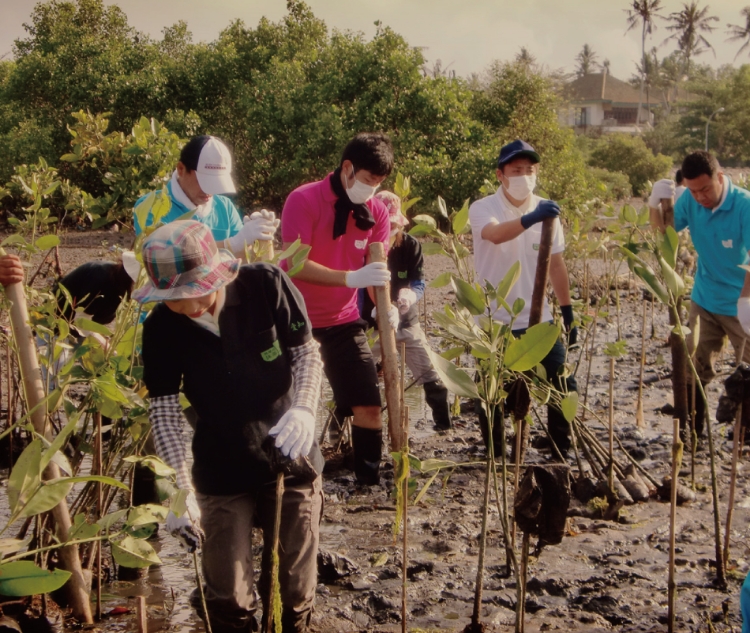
(558, 426)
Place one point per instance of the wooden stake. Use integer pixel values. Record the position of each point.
(611, 470)
(542, 272)
(733, 481)
(140, 609)
(76, 589)
(99, 511)
(389, 354)
(405, 539)
(639, 421)
(676, 461)
(679, 360)
(272, 585)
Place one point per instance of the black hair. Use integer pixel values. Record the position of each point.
(678, 177)
(699, 163)
(372, 151)
(191, 152)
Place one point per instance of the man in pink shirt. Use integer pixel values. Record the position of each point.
(339, 218)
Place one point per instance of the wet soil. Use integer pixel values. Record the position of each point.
(605, 575)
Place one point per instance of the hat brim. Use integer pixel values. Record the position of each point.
(224, 270)
(215, 185)
(399, 218)
(521, 153)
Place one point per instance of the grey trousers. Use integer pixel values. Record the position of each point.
(228, 523)
(417, 360)
(713, 331)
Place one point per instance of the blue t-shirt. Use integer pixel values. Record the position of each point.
(224, 220)
(722, 240)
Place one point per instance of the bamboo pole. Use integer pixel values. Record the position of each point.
(389, 354)
(611, 469)
(76, 589)
(99, 511)
(671, 586)
(404, 536)
(273, 584)
(639, 421)
(140, 609)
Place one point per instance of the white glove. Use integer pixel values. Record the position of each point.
(406, 299)
(187, 528)
(295, 432)
(268, 215)
(374, 274)
(255, 227)
(393, 317)
(662, 189)
(743, 314)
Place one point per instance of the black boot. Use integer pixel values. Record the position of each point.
(436, 395)
(368, 449)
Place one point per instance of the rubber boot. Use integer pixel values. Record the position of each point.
(436, 395)
(368, 449)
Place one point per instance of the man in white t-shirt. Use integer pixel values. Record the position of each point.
(506, 228)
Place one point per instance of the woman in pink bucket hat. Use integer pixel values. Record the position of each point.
(237, 341)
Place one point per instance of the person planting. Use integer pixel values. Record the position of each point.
(238, 341)
(405, 262)
(203, 172)
(718, 216)
(506, 228)
(338, 218)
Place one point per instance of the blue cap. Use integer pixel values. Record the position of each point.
(516, 149)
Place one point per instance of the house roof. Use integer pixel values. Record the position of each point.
(602, 87)
(606, 88)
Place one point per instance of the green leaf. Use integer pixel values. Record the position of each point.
(509, 280)
(13, 239)
(653, 283)
(428, 465)
(443, 279)
(442, 207)
(424, 219)
(674, 282)
(143, 209)
(47, 241)
(433, 248)
(26, 476)
(469, 297)
(108, 520)
(569, 406)
(457, 380)
(81, 529)
(157, 466)
(669, 246)
(178, 503)
(529, 350)
(147, 513)
(70, 158)
(452, 353)
(24, 578)
(461, 219)
(62, 437)
(132, 552)
(84, 323)
(10, 546)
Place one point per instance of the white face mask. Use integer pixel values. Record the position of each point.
(521, 187)
(359, 192)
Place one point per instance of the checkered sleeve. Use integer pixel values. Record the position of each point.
(167, 422)
(307, 370)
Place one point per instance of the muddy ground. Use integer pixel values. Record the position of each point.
(605, 575)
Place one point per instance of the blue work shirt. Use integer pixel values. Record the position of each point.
(722, 240)
(224, 220)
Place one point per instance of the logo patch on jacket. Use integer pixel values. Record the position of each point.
(726, 243)
(360, 244)
(402, 274)
(272, 353)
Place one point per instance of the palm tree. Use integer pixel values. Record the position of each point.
(740, 33)
(586, 59)
(525, 58)
(645, 12)
(688, 27)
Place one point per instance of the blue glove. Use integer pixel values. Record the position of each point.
(567, 315)
(545, 209)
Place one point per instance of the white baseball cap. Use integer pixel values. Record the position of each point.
(212, 162)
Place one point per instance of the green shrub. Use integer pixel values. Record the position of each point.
(631, 156)
(614, 185)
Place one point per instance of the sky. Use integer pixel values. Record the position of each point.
(466, 36)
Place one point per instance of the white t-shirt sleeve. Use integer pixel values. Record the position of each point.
(480, 215)
(558, 238)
